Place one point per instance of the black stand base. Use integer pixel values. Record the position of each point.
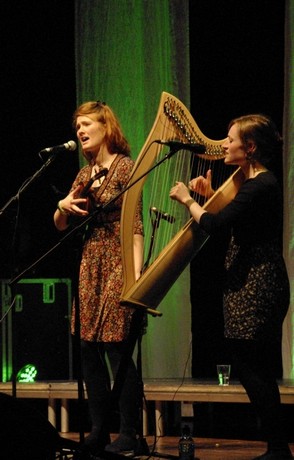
(73, 450)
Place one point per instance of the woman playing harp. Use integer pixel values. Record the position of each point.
(256, 285)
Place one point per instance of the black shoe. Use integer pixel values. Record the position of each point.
(283, 454)
(123, 444)
(95, 442)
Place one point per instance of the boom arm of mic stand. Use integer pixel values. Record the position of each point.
(28, 183)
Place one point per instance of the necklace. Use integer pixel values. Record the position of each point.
(97, 182)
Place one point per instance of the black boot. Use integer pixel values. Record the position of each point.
(98, 390)
(124, 443)
(99, 436)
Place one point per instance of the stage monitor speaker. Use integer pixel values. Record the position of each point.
(36, 329)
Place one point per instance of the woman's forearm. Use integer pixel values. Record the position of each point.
(195, 209)
(138, 254)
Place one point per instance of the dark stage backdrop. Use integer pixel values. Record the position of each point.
(237, 67)
(37, 101)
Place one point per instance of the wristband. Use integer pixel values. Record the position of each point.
(61, 210)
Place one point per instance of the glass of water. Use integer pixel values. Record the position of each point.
(223, 372)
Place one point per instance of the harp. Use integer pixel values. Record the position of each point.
(181, 242)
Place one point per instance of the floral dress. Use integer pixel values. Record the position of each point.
(102, 319)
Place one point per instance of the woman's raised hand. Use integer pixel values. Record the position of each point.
(202, 185)
(73, 204)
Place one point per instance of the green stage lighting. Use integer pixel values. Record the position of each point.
(27, 373)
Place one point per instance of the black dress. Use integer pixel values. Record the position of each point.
(256, 296)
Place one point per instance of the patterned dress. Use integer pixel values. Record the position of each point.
(256, 285)
(102, 319)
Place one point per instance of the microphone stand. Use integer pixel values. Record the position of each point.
(155, 226)
(138, 315)
(98, 209)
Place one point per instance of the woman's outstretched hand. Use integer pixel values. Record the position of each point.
(180, 193)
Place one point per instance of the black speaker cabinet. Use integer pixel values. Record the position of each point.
(36, 328)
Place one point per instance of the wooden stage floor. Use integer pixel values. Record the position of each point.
(206, 448)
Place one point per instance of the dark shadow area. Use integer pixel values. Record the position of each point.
(37, 102)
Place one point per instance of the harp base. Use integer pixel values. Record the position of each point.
(141, 306)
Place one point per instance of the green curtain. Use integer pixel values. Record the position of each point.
(127, 53)
(288, 333)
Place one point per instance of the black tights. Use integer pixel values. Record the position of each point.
(98, 386)
(253, 362)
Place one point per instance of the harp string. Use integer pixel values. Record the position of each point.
(169, 217)
(182, 166)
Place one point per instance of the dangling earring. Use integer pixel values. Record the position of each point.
(249, 158)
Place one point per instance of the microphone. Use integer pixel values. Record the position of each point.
(177, 145)
(163, 215)
(70, 145)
